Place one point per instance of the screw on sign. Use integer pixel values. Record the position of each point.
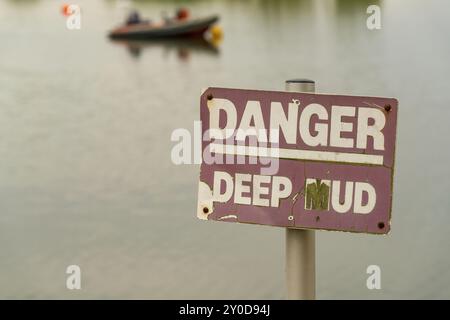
(331, 159)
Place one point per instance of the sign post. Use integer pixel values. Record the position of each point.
(300, 244)
(298, 160)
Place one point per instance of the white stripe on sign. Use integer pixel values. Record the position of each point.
(296, 154)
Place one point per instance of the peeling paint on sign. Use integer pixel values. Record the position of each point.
(317, 194)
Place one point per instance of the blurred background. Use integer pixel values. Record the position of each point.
(86, 176)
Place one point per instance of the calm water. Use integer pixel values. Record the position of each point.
(85, 170)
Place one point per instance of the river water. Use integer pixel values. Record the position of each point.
(86, 176)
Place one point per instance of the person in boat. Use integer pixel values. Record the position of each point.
(182, 14)
(133, 18)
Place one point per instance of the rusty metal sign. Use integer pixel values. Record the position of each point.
(299, 160)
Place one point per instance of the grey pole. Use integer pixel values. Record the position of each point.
(300, 244)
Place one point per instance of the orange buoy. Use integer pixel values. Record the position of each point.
(65, 9)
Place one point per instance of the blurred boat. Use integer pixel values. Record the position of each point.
(167, 29)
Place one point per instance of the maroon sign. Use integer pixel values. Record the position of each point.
(297, 160)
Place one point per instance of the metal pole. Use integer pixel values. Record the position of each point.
(300, 244)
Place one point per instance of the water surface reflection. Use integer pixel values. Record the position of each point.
(183, 47)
